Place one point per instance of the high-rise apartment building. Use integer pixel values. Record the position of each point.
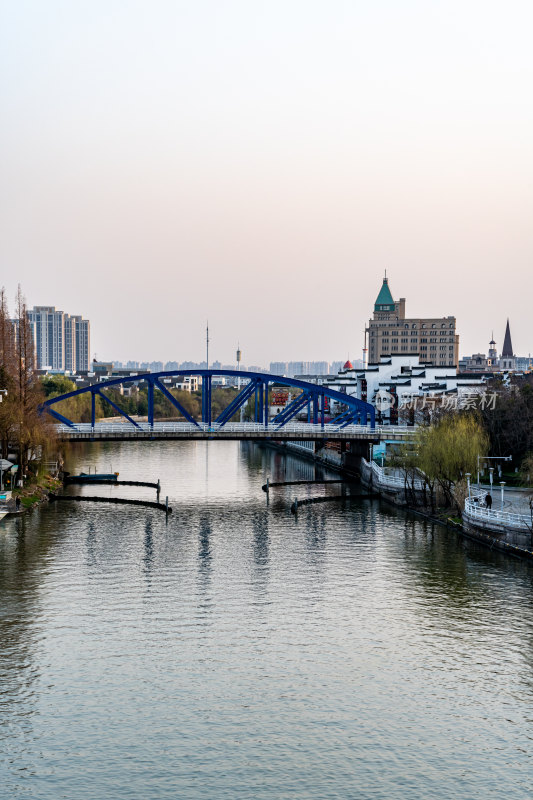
(431, 339)
(278, 367)
(292, 369)
(70, 342)
(48, 327)
(83, 343)
(62, 342)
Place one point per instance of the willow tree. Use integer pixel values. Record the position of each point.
(448, 450)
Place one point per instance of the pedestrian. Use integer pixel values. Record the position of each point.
(488, 501)
(17, 503)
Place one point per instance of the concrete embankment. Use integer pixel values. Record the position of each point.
(412, 497)
(345, 463)
(396, 491)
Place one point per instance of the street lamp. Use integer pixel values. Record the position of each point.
(491, 474)
(502, 484)
(468, 483)
(490, 458)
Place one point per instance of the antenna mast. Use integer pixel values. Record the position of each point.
(207, 344)
(239, 356)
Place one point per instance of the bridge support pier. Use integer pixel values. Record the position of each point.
(151, 404)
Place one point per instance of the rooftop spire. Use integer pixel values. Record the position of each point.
(507, 351)
(384, 301)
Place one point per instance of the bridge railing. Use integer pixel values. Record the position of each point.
(202, 427)
(233, 427)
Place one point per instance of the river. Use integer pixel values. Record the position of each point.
(235, 651)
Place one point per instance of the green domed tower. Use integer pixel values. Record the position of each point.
(428, 340)
(384, 301)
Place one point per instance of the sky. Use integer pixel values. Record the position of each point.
(260, 165)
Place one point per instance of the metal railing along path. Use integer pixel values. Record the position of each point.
(476, 509)
(396, 481)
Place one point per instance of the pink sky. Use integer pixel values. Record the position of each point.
(261, 165)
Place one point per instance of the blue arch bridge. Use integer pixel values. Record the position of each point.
(354, 418)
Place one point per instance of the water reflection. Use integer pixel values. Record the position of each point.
(148, 548)
(261, 545)
(91, 544)
(23, 560)
(205, 556)
(331, 655)
(316, 534)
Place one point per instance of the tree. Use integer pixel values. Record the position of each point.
(526, 475)
(78, 408)
(191, 401)
(408, 461)
(22, 427)
(54, 385)
(34, 431)
(526, 471)
(509, 421)
(7, 377)
(448, 450)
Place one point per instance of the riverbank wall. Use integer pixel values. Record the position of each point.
(343, 462)
(412, 498)
(504, 532)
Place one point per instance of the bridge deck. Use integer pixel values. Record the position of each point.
(252, 431)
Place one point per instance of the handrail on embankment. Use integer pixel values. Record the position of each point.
(476, 510)
(393, 481)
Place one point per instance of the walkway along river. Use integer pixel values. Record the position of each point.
(235, 650)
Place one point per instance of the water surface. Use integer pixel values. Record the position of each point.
(237, 652)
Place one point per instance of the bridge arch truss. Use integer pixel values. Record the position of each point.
(311, 398)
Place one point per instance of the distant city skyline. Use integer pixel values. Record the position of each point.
(350, 354)
(261, 165)
(288, 368)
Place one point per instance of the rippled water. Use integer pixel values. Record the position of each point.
(238, 652)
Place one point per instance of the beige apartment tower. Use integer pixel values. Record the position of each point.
(433, 340)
